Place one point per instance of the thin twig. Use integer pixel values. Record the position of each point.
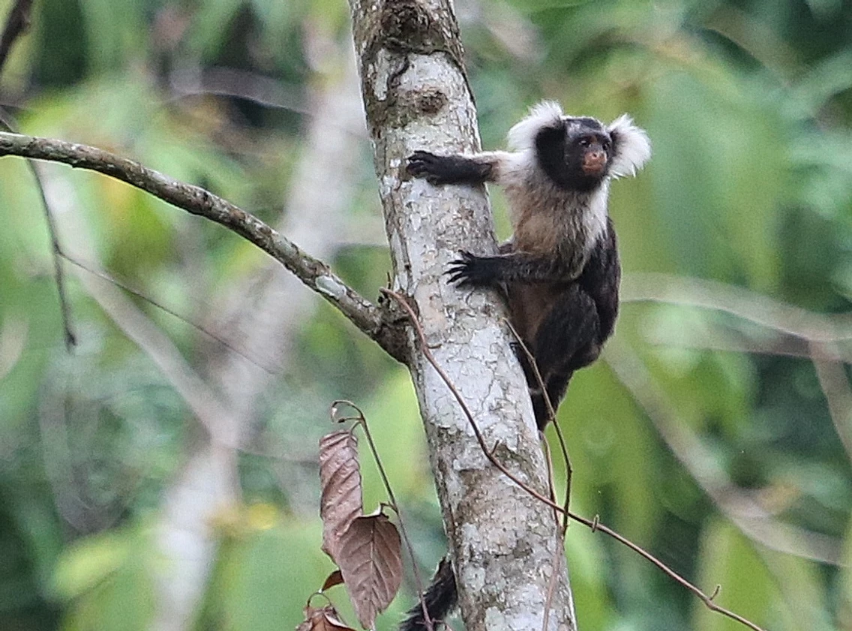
(569, 472)
(551, 411)
(593, 524)
(361, 421)
(53, 232)
(58, 254)
(91, 269)
(551, 415)
(551, 484)
(558, 550)
(551, 488)
(198, 201)
(738, 506)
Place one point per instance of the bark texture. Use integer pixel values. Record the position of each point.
(504, 543)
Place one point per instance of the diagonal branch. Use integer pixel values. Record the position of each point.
(198, 201)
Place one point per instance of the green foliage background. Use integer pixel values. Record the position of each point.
(748, 104)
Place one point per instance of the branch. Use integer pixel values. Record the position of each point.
(17, 23)
(594, 525)
(739, 302)
(198, 201)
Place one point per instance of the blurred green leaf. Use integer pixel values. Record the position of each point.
(727, 559)
(90, 562)
(211, 20)
(719, 191)
(113, 36)
(123, 602)
(394, 419)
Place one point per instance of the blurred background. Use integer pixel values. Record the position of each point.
(162, 474)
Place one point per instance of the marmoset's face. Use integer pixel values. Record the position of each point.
(576, 153)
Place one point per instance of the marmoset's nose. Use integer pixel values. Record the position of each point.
(594, 161)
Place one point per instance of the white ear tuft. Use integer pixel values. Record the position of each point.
(632, 147)
(522, 135)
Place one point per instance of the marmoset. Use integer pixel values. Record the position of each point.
(560, 271)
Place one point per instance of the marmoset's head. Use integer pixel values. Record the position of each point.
(579, 153)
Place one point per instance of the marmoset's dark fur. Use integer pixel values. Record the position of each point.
(560, 270)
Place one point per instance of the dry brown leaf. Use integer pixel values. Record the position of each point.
(370, 560)
(322, 619)
(334, 579)
(340, 478)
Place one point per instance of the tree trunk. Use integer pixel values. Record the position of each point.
(505, 544)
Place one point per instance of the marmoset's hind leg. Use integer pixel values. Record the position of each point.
(566, 340)
(555, 387)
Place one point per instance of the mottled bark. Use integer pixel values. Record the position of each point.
(505, 544)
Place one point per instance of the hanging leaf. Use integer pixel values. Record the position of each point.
(322, 619)
(340, 478)
(370, 560)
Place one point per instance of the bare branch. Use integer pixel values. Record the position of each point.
(596, 526)
(197, 201)
(751, 306)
